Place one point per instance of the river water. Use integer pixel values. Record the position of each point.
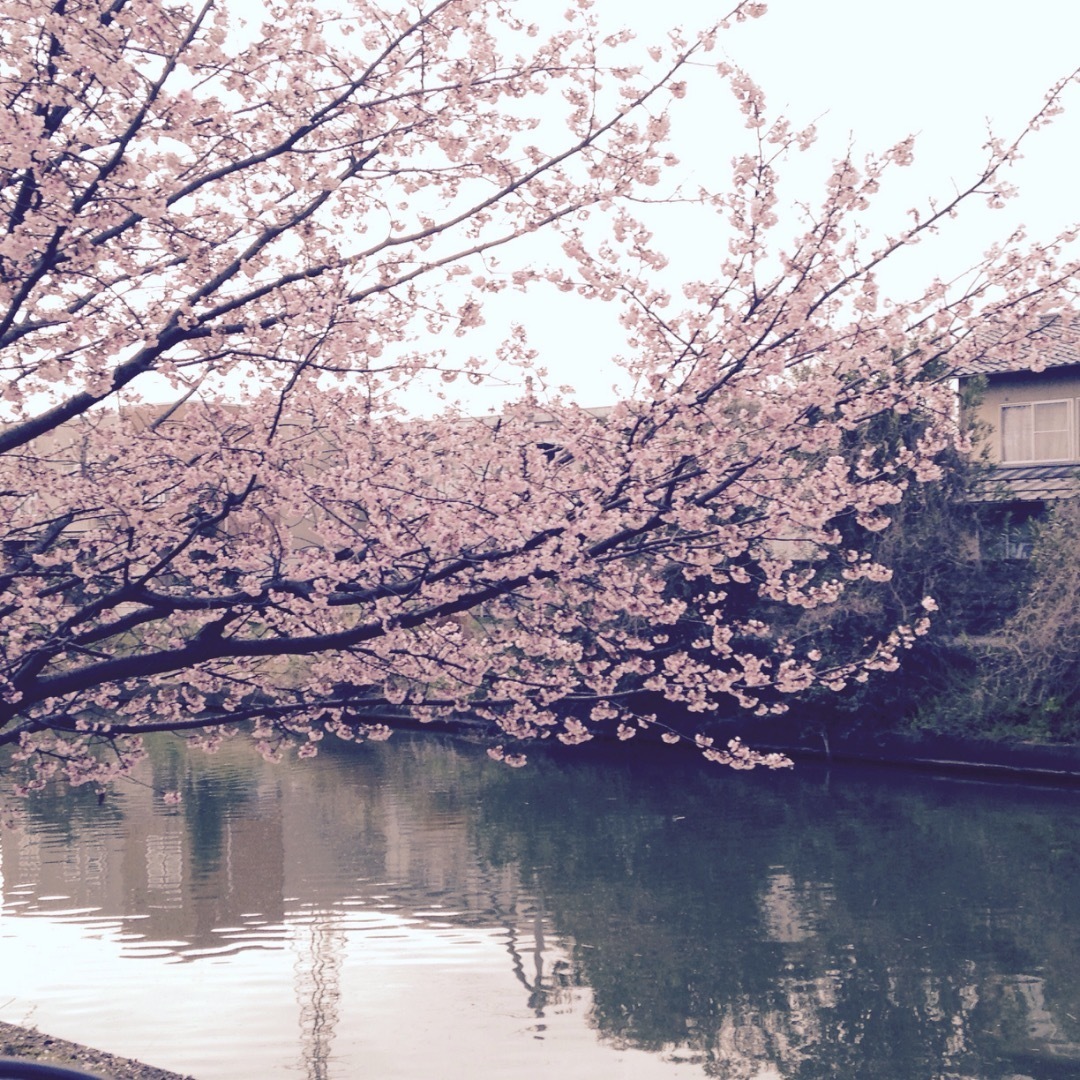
(414, 910)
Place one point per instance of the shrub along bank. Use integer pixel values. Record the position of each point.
(994, 685)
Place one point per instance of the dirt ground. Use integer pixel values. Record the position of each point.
(19, 1042)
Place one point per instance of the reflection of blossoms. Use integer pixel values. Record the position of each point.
(515, 761)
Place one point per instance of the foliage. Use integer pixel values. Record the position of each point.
(281, 231)
(1023, 680)
(1040, 661)
(939, 590)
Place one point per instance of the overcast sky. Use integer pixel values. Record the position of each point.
(866, 73)
(938, 68)
(870, 73)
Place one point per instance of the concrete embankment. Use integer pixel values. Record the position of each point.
(801, 739)
(1057, 763)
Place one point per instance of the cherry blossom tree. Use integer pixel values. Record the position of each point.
(229, 251)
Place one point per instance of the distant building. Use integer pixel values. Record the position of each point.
(1028, 415)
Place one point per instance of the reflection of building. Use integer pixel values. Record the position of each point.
(248, 835)
(292, 858)
(790, 910)
(181, 880)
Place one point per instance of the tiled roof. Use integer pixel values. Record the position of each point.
(1055, 345)
(1029, 483)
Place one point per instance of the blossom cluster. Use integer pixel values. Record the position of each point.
(282, 234)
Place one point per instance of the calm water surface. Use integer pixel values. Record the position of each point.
(415, 910)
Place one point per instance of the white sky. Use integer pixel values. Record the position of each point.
(938, 68)
(871, 73)
(864, 72)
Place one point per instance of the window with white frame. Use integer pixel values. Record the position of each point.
(1037, 431)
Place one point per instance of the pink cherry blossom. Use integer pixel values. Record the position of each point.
(278, 237)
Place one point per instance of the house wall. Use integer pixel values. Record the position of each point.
(1024, 387)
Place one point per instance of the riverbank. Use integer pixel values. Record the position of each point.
(992, 759)
(816, 740)
(33, 1045)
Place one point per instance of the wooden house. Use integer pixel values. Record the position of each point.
(1027, 412)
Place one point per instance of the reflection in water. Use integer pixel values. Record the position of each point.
(438, 914)
(320, 946)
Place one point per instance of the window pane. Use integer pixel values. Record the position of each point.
(1016, 433)
(1051, 431)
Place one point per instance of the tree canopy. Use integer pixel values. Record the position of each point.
(227, 253)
